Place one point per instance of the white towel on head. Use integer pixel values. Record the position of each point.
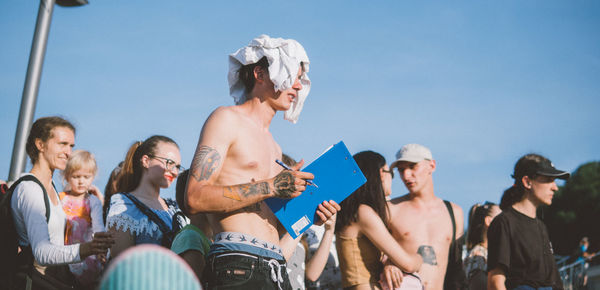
(284, 56)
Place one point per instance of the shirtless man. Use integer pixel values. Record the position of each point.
(234, 167)
(420, 221)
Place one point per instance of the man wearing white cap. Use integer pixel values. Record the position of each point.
(234, 166)
(422, 222)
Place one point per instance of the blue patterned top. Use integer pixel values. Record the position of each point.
(125, 216)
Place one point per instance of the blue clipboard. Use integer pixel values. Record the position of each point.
(337, 176)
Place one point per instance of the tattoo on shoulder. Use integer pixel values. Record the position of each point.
(284, 184)
(428, 254)
(237, 192)
(205, 163)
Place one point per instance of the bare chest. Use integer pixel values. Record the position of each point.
(414, 228)
(251, 157)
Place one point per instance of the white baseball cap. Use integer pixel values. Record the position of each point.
(413, 153)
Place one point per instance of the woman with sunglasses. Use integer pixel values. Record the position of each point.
(137, 214)
(475, 264)
(362, 233)
(520, 254)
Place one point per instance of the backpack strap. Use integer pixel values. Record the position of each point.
(455, 277)
(149, 213)
(451, 212)
(31, 177)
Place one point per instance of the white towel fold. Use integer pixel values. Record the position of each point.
(284, 56)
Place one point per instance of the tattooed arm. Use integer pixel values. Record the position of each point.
(373, 227)
(204, 195)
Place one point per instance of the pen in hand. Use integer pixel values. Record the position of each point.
(310, 182)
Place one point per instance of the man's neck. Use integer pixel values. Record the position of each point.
(260, 112)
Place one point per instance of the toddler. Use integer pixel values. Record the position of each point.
(82, 204)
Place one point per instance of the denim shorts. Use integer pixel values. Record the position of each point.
(237, 270)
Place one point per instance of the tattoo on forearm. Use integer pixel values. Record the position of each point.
(205, 163)
(284, 184)
(230, 192)
(428, 254)
(237, 192)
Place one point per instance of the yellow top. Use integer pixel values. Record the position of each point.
(360, 260)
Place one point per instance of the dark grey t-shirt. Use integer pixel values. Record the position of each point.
(520, 245)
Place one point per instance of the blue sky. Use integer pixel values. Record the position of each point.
(479, 82)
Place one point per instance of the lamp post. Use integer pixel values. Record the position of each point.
(32, 82)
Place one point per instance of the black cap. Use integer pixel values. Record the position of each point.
(546, 168)
(534, 164)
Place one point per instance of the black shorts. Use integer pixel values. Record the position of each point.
(237, 270)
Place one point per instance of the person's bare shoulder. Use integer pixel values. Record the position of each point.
(459, 215)
(222, 122)
(365, 211)
(457, 209)
(400, 199)
(224, 114)
(458, 212)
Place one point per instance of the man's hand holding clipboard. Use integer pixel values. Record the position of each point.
(337, 176)
(325, 210)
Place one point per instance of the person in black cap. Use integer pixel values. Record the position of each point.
(520, 254)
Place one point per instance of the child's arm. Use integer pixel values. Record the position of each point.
(96, 214)
(317, 262)
(95, 191)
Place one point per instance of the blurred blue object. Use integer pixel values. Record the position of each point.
(149, 267)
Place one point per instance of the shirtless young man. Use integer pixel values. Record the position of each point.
(234, 167)
(420, 221)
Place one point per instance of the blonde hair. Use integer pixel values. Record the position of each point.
(80, 159)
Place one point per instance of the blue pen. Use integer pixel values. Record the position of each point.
(288, 168)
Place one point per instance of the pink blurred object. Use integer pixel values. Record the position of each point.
(410, 281)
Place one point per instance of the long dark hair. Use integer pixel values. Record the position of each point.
(180, 187)
(526, 166)
(42, 129)
(131, 172)
(110, 189)
(477, 229)
(371, 193)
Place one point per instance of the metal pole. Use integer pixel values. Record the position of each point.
(32, 85)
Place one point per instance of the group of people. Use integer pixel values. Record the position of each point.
(221, 226)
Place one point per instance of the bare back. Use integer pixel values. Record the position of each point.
(425, 228)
